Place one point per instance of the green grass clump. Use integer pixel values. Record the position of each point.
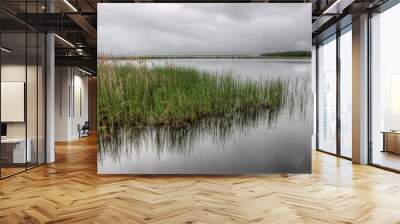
(132, 95)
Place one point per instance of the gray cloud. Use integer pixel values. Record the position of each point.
(199, 28)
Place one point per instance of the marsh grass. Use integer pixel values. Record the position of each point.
(172, 107)
(140, 95)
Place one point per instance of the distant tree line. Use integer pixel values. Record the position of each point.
(288, 54)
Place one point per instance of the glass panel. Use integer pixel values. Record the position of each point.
(31, 88)
(41, 98)
(386, 89)
(13, 86)
(22, 89)
(31, 97)
(346, 93)
(327, 96)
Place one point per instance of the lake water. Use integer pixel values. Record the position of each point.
(256, 143)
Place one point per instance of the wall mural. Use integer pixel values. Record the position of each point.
(204, 88)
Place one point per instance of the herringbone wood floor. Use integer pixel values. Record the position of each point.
(69, 191)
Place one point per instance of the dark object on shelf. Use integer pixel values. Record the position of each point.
(391, 141)
(3, 129)
(84, 130)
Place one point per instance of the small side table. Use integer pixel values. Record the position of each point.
(391, 141)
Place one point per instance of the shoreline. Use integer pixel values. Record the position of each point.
(202, 57)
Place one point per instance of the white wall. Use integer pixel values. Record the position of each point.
(70, 83)
(12, 73)
(80, 84)
(62, 82)
(33, 125)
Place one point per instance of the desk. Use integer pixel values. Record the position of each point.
(391, 141)
(15, 148)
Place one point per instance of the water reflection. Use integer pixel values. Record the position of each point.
(184, 140)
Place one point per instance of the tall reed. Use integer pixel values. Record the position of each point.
(138, 95)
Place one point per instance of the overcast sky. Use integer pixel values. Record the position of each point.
(181, 29)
